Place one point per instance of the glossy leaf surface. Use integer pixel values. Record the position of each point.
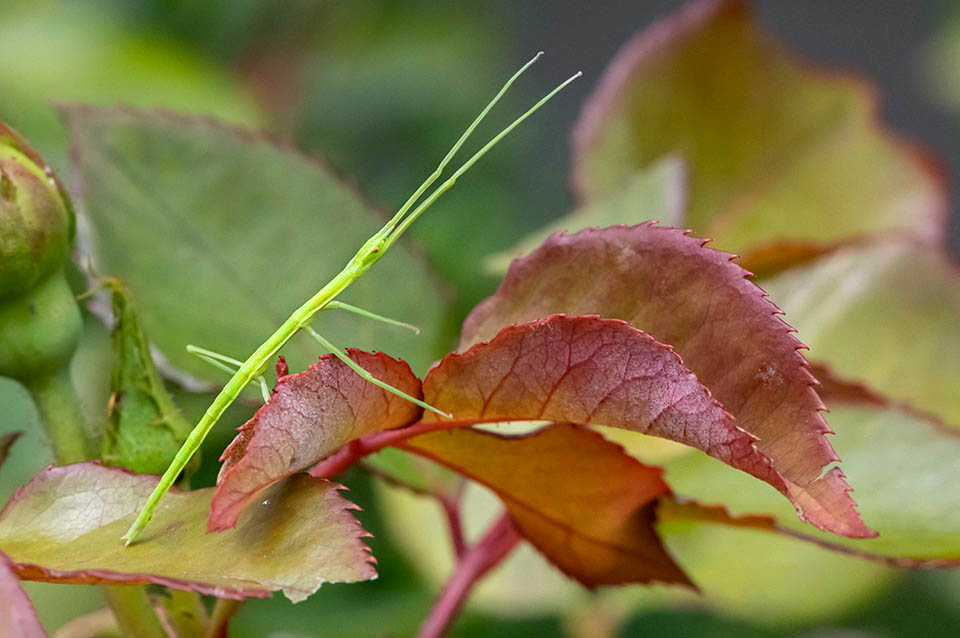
(565, 369)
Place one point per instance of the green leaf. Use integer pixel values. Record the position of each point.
(780, 154)
(906, 475)
(144, 427)
(886, 314)
(30, 455)
(97, 57)
(64, 526)
(222, 233)
(765, 578)
(658, 192)
(6, 442)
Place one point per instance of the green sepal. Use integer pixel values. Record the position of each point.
(144, 427)
(39, 330)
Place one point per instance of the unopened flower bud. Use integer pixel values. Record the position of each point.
(36, 218)
(39, 318)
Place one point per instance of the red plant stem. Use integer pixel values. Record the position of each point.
(346, 456)
(449, 502)
(486, 554)
(451, 509)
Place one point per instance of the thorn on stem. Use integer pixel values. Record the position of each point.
(282, 368)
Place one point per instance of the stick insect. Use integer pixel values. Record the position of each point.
(370, 252)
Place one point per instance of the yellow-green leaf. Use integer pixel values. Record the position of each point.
(906, 475)
(886, 314)
(657, 193)
(780, 153)
(65, 525)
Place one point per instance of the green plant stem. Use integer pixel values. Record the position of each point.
(100, 623)
(61, 416)
(133, 611)
(182, 613)
(65, 424)
(223, 611)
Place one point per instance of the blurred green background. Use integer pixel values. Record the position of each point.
(380, 89)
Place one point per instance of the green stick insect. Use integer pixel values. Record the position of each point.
(373, 249)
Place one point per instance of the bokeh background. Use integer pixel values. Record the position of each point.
(380, 89)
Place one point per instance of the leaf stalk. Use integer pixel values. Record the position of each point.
(500, 539)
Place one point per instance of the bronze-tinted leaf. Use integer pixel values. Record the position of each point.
(590, 370)
(695, 299)
(65, 525)
(18, 618)
(309, 415)
(584, 503)
(780, 154)
(679, 509)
